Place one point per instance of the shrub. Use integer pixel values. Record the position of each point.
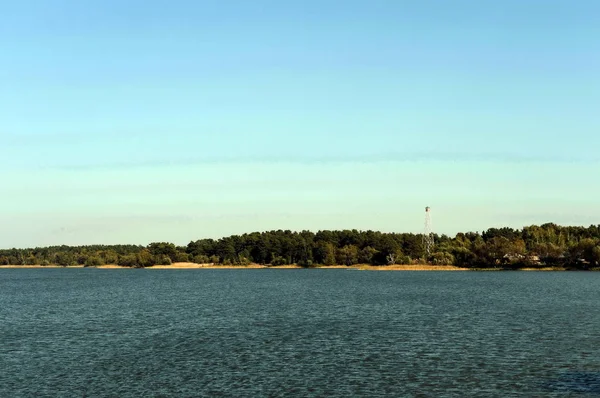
(243, 261)
(64, 259)
(93, 261)
(278, 260)
(128, 260)
(31, 260)
(145, 258)
(306, 263)
(110, 257)
(182, 257)
(201, 259)
(365, 256)
(442, 258)
(403, 259)
(163, 260)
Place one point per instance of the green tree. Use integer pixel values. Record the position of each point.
(182, 257)
(201, 259)
(278, 260)
(226, 250)
(109, 256)
(64, 258)
(31, 260)
(348, 255)
(163, 249)
(145, 258)
(366, 255)
(162, 260)
(442, 258)
(128, 260)
(93, 261)
(595, 256)
(329, 254)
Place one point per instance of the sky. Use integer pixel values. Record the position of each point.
(141, 121)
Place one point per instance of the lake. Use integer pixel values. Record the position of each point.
(298, 332)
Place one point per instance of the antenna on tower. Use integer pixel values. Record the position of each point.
(428, 233)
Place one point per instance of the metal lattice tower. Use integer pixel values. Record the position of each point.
(428, 233)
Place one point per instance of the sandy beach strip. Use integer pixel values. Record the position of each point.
(362, 267)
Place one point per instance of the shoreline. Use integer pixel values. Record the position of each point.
(358, 267)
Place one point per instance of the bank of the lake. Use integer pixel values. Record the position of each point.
(532, 247)
(361, 267)
(182, 265)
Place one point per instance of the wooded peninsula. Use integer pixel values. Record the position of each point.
(546, 246)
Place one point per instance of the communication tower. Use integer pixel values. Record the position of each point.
(428, 233)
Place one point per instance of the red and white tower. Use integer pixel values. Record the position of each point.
(428, 233)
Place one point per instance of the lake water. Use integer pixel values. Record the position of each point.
(305, 333)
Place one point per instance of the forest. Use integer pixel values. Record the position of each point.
(548, 245)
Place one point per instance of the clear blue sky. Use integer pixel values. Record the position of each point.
(138, 121)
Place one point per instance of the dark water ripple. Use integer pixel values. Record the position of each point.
(306, 333)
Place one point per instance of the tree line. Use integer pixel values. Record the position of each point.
(532, 246)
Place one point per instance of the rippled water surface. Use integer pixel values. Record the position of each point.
(305, 333)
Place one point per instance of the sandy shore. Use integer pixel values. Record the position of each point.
(41, 266)
(360, 267)
(204, 266)
(410, 268)
(259, 266)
